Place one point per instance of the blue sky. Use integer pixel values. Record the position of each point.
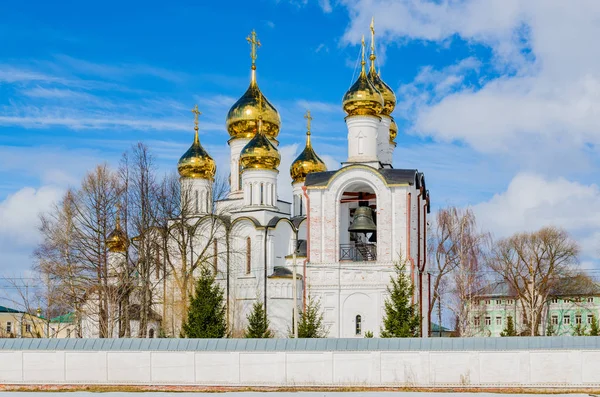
(499, 109)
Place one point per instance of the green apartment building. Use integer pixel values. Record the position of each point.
(564, 311)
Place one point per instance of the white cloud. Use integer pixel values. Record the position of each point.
(532, 201)
(19, 215)
(325, 6)
(284, 180)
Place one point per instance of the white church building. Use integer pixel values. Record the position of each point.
(347, 227)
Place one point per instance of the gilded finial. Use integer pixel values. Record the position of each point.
(362, 62)
(372, 56)
(308, 118)
(254, 44)
(197, 113)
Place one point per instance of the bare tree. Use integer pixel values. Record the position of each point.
(534, 265)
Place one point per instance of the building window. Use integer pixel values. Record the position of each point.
(151, 333)
(554, 320)
(578, 319)
(28, 328)
(476, 321)
(567, 319)
(487, 301)
(566, 300)
(215, 254)
(488, 320)
(358, 325)
(262, 193)
(590, 299)
(590, 318)
(196, 199)
(498, 320)
(301, 205)
(509, 302)
(498, 301)
(554, 300)
(240, 175)
(9, 327)
(248, 255)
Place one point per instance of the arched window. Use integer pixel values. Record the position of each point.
(301, 205)
(151, 333)
(215, 254)
(196, 194)
(358, 325)
(250, 193)
(248, 255)
(239, 174)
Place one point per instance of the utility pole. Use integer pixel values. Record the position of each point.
(295, 287)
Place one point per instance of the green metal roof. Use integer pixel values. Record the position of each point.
(328, 344)
(65, 318)
(4, 309)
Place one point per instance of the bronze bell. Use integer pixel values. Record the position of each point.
(363, 221)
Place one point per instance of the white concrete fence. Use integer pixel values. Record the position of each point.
(560, 368)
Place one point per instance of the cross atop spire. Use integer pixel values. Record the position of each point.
(308, 120)
(363, 53)
(372, 56)
(196, 114)
(254, 44)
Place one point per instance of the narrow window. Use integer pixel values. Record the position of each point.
(262, 193)
(488, 320)
(498, 301)
(590, 318)
(578, 319)
(554, 300)
(358, 325)
(68, 333)
(498, 320)
(9, 327)
(196, 197)
(239, 175)
(28, 328)
(476, 321)
(487, 301)
(567, 319)
(151, 333)
(590, 299)
(554, 320)
(301, 206)
(215, 255)
(248, 255)
(250, 192)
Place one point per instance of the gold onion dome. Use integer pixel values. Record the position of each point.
(196, 162)
(117, 240)
(260, 153)
(389, 98)
(393, 130)
(308, 161)
(363, 98)
(242, 117)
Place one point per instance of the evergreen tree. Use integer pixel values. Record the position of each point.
(310, 324)
(594, 327)
(510, 328)
(258, 324)
(206, 314)
(550, 330)
(579, 330)
(401, 317)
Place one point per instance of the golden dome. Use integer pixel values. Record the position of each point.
(117, 240)
(196, 162)
(389, 98)
(363, 98)
(308, 161)
(393, 131)
(259, 152)
(243, 115)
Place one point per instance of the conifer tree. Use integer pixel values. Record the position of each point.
(401, 317)
(579, 330)
(311, 321)
(594, 327)
(510, 328)
(258, 324)
(550, 330)
(206, 315)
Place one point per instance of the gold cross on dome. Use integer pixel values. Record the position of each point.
(196, 114)
(254, 43)
(308, 120)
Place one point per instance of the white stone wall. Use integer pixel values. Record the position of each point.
(362, 138)
(481, 369)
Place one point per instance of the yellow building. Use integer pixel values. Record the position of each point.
(18, 324)
(63, 326)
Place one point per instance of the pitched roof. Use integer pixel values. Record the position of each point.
(578, 285)
(64, 319)
(4, 309)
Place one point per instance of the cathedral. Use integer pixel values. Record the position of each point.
(336, 243)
